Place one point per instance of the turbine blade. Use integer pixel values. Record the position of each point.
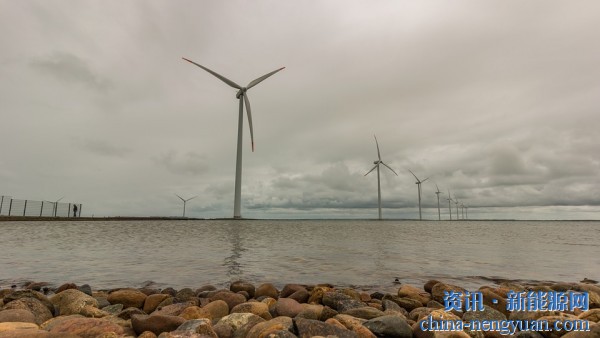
(371, 170)
(181, 198)
(191, 198)
(389, 168)
(260, 79)
(414, 176)
(249, 119)
(425, 180)
(438, 188)
(377, 143)
(220, 77)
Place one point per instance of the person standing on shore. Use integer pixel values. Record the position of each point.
(74, 210)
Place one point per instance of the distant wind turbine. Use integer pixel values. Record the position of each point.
(456, 202)
(438, 192)
(185, 202)
(418, 183)
(462, 210)
(466, 212)
(243, 98)
(377, 163)
(449, 199)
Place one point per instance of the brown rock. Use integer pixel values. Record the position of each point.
(266, 290)
(311, 311)
(194, 312)
(289, 289)
(257, 308)
(66, 286)
(408, 291)
(152, 301)
(301, 296)
(172, 310)
(75, 302)
(429, 285)
(365, 312)
(85, 327)
(29, 294)
(130, 311)
(594, 332)
(310, 328)
(437, 292)
(33, 305)
(276, 324)
(243, 286)
(17, 315)
(355, 325)
(237, 324)
(592, 315)
(232, 299)
(287, 307)
(217, 309)
(128, 297)
(155, 323)
(147, 334)
(9, 326)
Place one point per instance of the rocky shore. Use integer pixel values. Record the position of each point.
(248, 310)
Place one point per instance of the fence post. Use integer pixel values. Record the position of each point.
(1, 203)
(69, 211)
(42, 209)
(80, 205)
(10, 207)
(25, 208)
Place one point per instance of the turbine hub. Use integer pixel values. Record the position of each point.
(376, 162)
(241, 92)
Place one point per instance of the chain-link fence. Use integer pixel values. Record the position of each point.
(18, 207)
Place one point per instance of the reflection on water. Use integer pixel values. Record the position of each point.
(370, 254)
(232, 262)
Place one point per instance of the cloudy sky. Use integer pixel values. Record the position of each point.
(497, 101)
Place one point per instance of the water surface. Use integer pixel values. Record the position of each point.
(365, 254)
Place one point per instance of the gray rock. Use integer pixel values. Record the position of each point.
(310, 328)
(389, 326)
(340, 302)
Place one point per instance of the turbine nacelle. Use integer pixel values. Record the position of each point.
(376, 162)
(241, 92)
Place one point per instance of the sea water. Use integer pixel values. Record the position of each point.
(359, 253)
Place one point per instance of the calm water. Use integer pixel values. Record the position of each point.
(367, 254)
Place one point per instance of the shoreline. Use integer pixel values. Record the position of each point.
(244, 309)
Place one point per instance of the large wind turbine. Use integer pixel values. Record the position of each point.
(449, 199)
(438, 192)
(418, 183)
(243, 98)
(185, 202)
(377, 163)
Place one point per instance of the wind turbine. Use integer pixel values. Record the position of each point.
(185, 202)
(462, 210)
(466, 212)
(243, 98)
(418, 183)
(456, 202)
(377, 163)
(438, 192)
(449, 199)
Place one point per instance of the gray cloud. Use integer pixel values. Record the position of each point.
(496, 101)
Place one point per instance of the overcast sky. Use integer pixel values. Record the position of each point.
(497, 101)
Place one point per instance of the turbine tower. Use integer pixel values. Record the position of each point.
(456, 202)
(185, 202)
(438, 192)
(418, 183)
(242, 96)
(449, 199)
(377, 163)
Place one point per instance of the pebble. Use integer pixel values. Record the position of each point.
(244, 310)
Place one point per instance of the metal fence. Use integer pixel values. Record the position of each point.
(17, 207)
